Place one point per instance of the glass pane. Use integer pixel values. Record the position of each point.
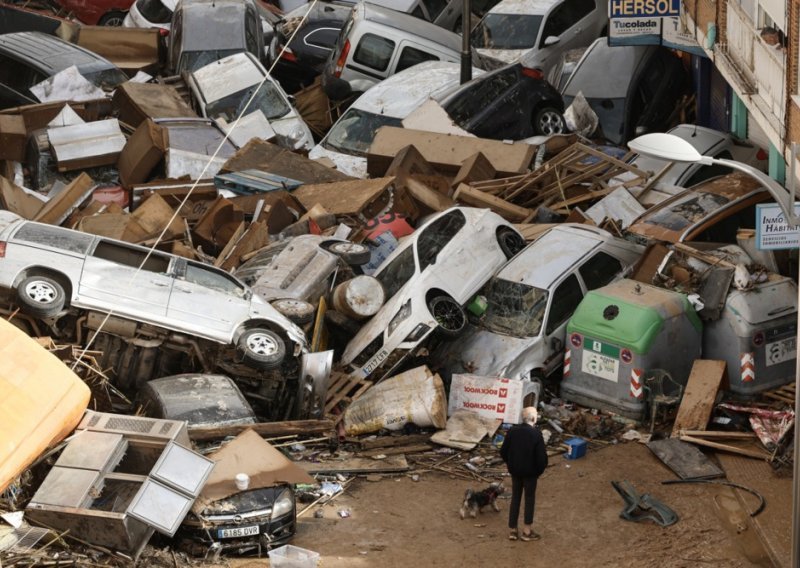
(437, 235)
(506, 31)
(514, 308)
(599, 270)
(56, 237)
(206, 276)
(160, 507)
(182, 469)
(398, 272)
(374, 51)
(410, 57)
(565, 299)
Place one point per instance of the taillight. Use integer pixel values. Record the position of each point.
(288, 55)
(2, 249)
(337, 71)
(533, 73)
(761, 154)
(163, 32)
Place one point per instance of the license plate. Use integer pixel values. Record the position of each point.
(375, 362)
(600, 365)
(238, 532)
(780, 351)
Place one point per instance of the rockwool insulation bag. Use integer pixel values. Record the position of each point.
(416, 396)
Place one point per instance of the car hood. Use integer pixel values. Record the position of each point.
(244, 502)
(481, 352)
(355, 166)
(504, 55)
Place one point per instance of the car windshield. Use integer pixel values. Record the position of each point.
(514, 308)
(507, 31)
(611, 115)
(268, 100)
(399, 271)
(691, 209)
(154, 11)
(194, 60)
(353, 133)
(107, 79)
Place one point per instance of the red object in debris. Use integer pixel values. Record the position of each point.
(393, 222)
(112, 194)
(2, 249)
(533, 73)
(97, 12)
(337, 71)
(313, 227)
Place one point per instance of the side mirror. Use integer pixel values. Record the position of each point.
(556, 344)
(551, 40)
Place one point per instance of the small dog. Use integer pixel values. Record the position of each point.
(475, 501)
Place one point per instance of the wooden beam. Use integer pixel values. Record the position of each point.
(699, 396)
(263, 429)
(726, 448)
(476, 198)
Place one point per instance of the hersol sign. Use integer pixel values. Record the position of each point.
(643, 8)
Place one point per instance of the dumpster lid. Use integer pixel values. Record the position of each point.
(770, 300)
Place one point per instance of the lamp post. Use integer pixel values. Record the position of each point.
(466, 49)
(670, 147)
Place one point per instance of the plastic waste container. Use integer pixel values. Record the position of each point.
(290, 556)
(620, 332)
(756, 336)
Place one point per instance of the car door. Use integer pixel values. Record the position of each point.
(568, 294)
(570, 22)
(208, 301)
(128, 280)
(445, 255)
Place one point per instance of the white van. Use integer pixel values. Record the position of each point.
(386, 104)
(378, 42)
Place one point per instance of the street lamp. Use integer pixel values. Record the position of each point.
(671, 148)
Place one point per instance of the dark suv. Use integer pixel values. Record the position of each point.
(28, 58)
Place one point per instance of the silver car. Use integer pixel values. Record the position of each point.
(48, 268)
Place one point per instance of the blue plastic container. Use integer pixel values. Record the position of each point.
(577, 448)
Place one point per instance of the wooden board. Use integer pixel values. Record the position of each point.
(685, 460)
(347, 198)
(390, 464)
(698, 398)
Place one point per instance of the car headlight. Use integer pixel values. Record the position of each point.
(296, 137)
(417, 333)
(283, 505)
(401, 315)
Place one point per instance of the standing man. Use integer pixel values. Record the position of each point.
(525, 455)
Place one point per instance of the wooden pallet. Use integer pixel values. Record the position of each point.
(786, 393)
(344, 388)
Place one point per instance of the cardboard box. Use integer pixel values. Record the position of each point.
(137, 102)
(143, 152)
(130, 49)
(13, 137)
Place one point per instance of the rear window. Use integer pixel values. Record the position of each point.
(54, 237)
(154, 11)
(107, 79)
(374, 51)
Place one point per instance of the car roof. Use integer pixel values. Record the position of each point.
(523, 7)
(402, 93)
(591, 74)
(548, 258)
(228, 75)
(51, 54)
(410, 24)
(226, 17)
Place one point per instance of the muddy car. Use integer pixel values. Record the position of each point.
(48, 270)
(427, 280)
(293, 274)
(520, 335)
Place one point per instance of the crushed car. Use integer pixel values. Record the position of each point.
(427, 280)
(520, 333)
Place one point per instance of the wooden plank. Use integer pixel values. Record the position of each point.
(475, 168)
(475, 198)
(759, 454)
(720, 434)
(392, 441)
(391, 464)
(264, 429)
(428, 197)
(409, 449)
(69, 198)
(698, 398)
(363, 196)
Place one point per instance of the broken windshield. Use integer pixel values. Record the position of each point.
(397, 272)
(353, 133)
(514, 308)
(268, 100)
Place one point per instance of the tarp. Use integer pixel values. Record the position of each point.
(41, 401)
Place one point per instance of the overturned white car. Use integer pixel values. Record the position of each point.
(427, 280)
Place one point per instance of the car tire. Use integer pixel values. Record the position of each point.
(298, 311)
(510, 242)
(342, 322)
(353, 254)
(41, 296)
(113, 18)
(548, 120)
(449, 314)
(261, 348)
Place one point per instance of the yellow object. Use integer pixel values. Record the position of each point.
(41, 401)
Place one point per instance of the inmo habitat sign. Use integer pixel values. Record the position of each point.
(772, 231)
(643, 8)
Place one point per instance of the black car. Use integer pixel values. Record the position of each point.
(633, 89)
(28, 58)
(510, 103)
(303, 58)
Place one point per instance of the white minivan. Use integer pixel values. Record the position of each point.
(385, 104)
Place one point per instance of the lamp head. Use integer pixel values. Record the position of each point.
(667, 147)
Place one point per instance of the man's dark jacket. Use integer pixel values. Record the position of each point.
(524, 451)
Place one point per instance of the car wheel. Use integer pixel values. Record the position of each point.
(448, 314)
(41, 296)
(353, 254)
(510, 242)
(342, 322)
(547, 121)
(298, 311)
(261, 348)
(113, 18)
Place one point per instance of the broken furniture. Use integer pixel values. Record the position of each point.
(119, 479)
